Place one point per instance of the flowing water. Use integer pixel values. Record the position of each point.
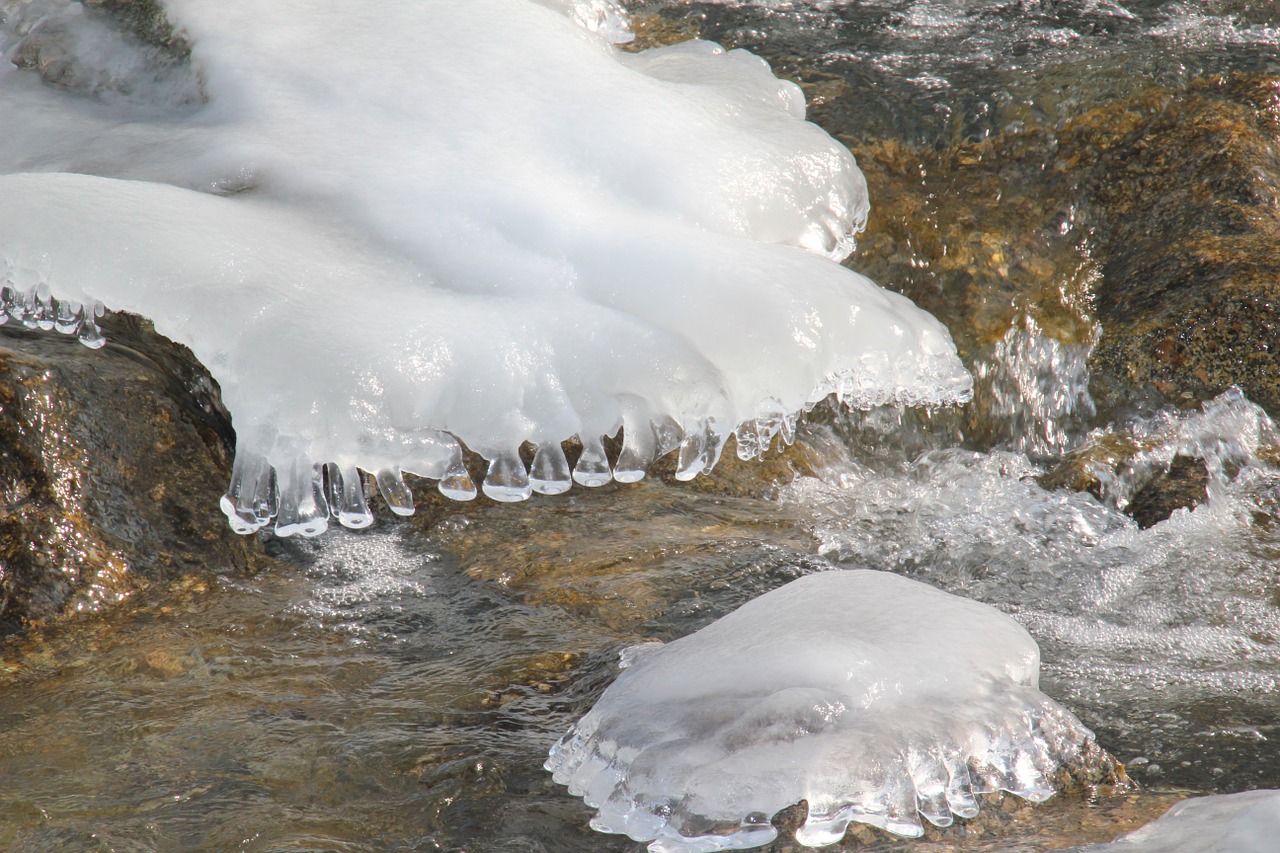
(397, 688)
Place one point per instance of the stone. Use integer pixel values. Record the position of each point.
(111, 466)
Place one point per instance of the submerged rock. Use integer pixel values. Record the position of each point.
(1235, 823)
(110, 473)
(1184, 209)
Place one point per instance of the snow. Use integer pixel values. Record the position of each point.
(390, 227)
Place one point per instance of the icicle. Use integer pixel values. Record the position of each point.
(43, 311)
(249, 473)
(821, 828)
(930, 780)
(696, 452)
(667, 436)
(507, 479)
(550, 472)
(788, 428)
(638, 446)
(456, 483)
(960, 789)
(592, 469)
(67, 316)
(394, 491)
(346, 496)
(748, 440)
(303, 509)
(19, 309)
(90, 335)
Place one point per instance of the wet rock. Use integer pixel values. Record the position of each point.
(107, 48)
(1121, 470)
(146, 19)
(110, 472)
(1154, 218)
(1184, 486)
(1184, 209)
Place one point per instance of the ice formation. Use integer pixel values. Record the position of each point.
(388, 227)
(873, 697)
(1232, 823)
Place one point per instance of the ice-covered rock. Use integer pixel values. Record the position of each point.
(1231, 823)
(872, 697)
(393, 227)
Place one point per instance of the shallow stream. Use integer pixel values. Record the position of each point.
(397, 688)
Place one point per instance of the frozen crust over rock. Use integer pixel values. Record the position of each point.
(396, 226)
(872, 697)
(1232, 823)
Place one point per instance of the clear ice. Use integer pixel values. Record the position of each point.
(391, 227)
(1230, 823)
(873, 697)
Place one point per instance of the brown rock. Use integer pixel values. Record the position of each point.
(111, 466)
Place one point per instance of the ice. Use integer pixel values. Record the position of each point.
(389, 227)
(873, 697)
(1232, 823)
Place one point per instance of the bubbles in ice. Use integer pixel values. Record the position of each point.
(1233, 823)
(874, 698)
(392, 230)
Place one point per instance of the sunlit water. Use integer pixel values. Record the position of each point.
(398, 688)
(947, 71)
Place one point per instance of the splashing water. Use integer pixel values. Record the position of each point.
(1039, 389)
(1179, 617)
(875, 698)
(394, 227)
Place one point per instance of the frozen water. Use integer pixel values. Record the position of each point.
(875, 698)
(389, 227)
(1235, 823)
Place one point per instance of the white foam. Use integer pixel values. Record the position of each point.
(875, 698)
(474, 221)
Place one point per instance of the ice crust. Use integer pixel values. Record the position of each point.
(392, 227)
(1232, 823)
(876, 698)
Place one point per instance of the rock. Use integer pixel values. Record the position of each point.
(1184, 210)
(1154, 218)
(1148, 492)
(1184, 486)
(112, 465)
(102, 48)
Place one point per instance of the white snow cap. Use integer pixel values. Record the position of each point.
(398, 225)
(875, 698)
